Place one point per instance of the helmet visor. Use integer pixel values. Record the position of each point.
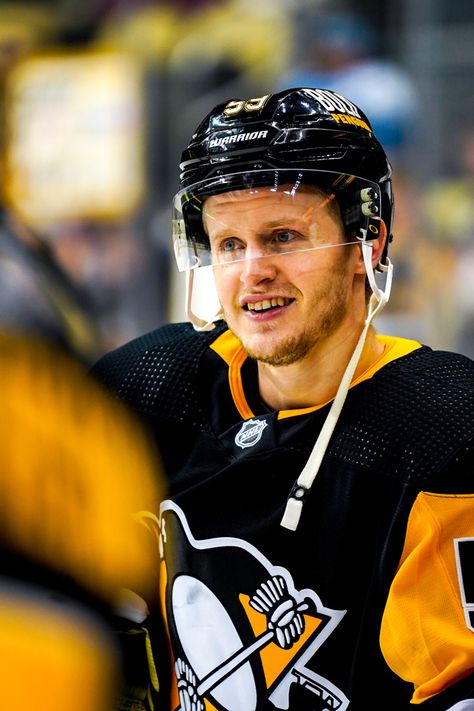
(229, 218)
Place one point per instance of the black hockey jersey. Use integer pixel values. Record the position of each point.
(370, 602)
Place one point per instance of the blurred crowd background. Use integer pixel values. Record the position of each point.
(99, 98)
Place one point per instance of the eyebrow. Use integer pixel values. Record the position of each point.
(272, 224)
(283, 220)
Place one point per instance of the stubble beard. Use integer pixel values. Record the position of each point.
(296, 347)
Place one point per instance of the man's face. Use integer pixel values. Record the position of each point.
(279, 295)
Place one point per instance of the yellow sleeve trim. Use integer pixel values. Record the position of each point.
(425, 638)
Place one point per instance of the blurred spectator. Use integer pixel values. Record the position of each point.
(87, 286)
(449, 202)
(342, 52)
(449, 212)
(244, 37)
(121, 270)
(74, 497)
(147, 31)
(406, 312)
(38, 298)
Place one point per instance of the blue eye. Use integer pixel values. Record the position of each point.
(229, 245)
(284, 236)
(229, 249)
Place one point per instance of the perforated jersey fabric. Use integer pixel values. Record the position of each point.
(421, 405)
(155, 373)
(346, 577)
(424, 412)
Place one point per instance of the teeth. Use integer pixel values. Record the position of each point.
(268, 304)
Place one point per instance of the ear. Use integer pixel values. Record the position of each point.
(377, 226)
(378, 229)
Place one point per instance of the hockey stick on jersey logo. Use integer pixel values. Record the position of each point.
(285, 625)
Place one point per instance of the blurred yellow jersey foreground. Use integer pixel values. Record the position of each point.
(76, 470)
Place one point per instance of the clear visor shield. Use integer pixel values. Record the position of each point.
(270, 213)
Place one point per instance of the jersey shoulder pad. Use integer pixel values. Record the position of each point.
(156, 372)
(413, 418)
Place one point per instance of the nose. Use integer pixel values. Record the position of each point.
(257, 267)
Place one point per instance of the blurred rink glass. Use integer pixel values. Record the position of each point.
(74, 137)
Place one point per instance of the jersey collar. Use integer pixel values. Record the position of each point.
(228, 347)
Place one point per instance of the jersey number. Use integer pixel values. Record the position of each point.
(464, 550)
(234, 107)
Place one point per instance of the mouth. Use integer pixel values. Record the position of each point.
(267, 304)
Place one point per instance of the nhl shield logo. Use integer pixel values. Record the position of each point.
(250, 433)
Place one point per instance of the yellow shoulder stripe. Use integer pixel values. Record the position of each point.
(226, 346)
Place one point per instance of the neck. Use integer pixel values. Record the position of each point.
(315, 379)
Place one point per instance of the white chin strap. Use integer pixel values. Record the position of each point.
(305, 480)
(199, 324)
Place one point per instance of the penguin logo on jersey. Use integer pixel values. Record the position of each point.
(241, 632)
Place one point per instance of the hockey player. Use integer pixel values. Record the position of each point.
(318, 537)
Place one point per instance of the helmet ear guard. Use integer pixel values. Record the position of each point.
(213, 311)
(376, 229)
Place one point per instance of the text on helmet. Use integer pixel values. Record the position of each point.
(334, 102)
(236, 138)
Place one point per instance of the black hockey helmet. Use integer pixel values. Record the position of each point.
(293, 136)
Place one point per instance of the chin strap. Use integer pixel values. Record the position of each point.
(302, 486)
(199, 324)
